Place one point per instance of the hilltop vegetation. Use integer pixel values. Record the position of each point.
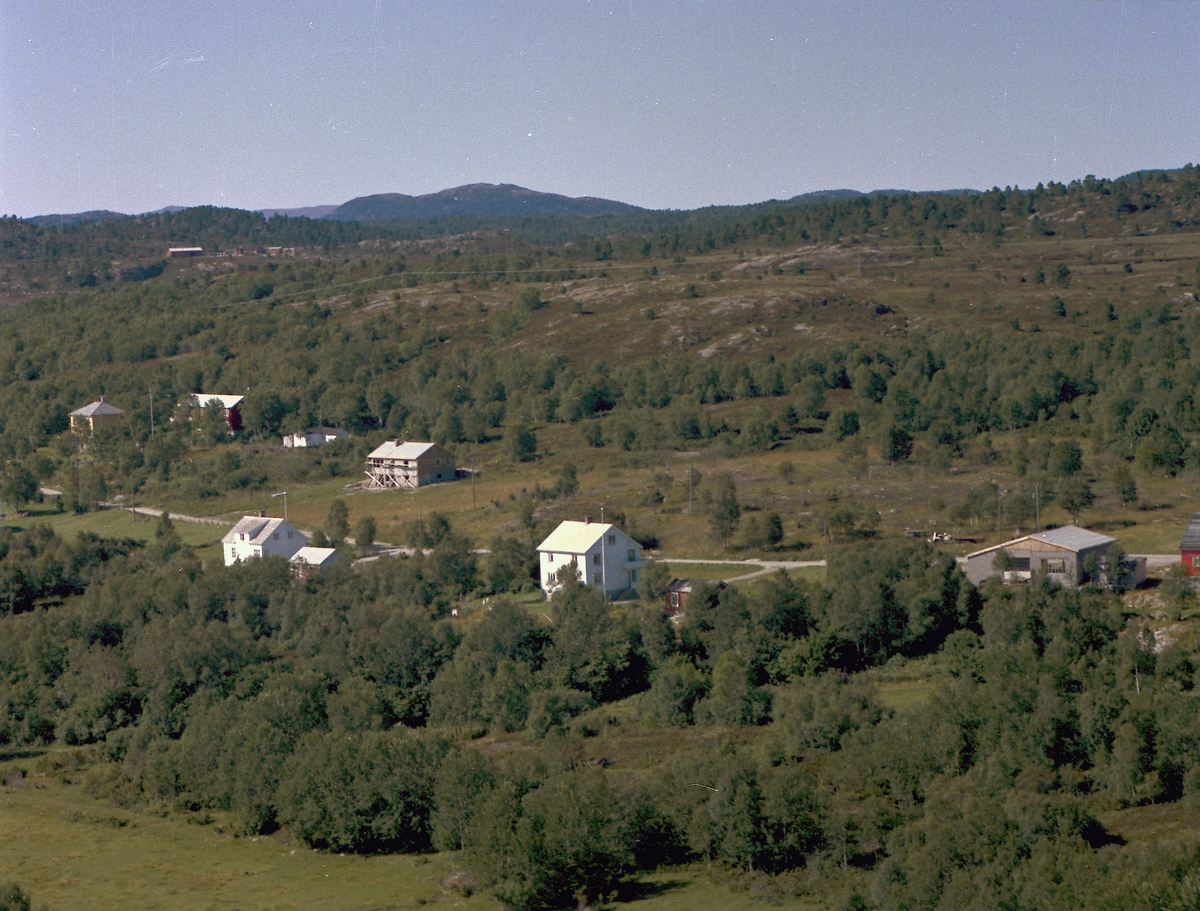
(783, 378)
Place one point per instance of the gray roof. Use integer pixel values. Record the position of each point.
(402, 449)
(258, 529)
(1069, 537)
(1072, 537)
(1191, 537)
(96, 409)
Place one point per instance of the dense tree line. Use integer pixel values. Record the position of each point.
(348, 709)
(1131, 391)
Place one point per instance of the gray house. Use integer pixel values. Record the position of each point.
(1060, 554)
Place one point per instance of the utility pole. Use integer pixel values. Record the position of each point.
(691, 468)
(1037, 506)
(471, 462)
(151, 411)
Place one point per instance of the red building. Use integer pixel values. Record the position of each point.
(680, 590)
(1189, 547)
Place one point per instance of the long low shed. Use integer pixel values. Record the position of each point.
(1060, 554)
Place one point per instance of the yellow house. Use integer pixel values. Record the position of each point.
(97, 414)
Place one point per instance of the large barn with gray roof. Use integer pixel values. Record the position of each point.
(1060, 554)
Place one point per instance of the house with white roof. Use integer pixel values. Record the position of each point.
(259, 536)
(314, 436)
(603, 556)
(228, 405)
(1060, 554)
(404, 464)
(309, 562)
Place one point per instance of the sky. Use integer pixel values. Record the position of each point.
(132, 105)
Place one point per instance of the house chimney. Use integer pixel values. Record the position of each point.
(101, 400)
(587, 520)
(262, 513)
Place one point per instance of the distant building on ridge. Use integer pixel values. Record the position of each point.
(95, 415)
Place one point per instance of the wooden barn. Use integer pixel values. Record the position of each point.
(1189, 547)
(404, 464)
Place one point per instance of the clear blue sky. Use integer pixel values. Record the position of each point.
(132, 106)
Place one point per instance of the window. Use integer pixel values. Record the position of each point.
(596, 579)
(633, 577)
(596, 559)
(612, 539)
(674, 599)
(631, 555)
(276, 536)
(289, 533)
(1056, 567)
(549, 558)
(1020, 564)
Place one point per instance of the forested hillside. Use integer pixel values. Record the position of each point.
(775, 381)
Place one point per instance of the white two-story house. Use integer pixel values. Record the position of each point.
(258, 536)
(604, 557)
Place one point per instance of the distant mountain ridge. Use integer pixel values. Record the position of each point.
(73, 218)
(481, 200)
(477, 199)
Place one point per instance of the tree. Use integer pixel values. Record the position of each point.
(1076, 496)
(774, 529)
(513, 564)
(653, 584)
(897, 444)
(521, 443)
(528, 298)
(337, 522)
(568, 484)
(1125, 484)
(723, 509)
(845, 424)
(364, 532)
(20, 486)
(1066, 458)
(12, 898)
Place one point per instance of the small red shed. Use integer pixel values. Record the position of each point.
(679, 590)
(1189, 547)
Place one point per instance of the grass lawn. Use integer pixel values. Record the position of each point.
(69, 851)
(116, 523)
(711, 572)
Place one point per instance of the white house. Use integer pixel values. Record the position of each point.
(314, 436)
(604, 556)
(258, 536)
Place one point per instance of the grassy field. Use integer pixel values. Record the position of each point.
(69, 851)
(116, 523)
(711, 572)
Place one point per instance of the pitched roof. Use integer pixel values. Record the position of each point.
(578, 537)
(227, 401)
(1191, 537)
(401, 449)
(1072, 537)
(315, 556)
(96, 409)
(258, 529)
(1069, 537)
